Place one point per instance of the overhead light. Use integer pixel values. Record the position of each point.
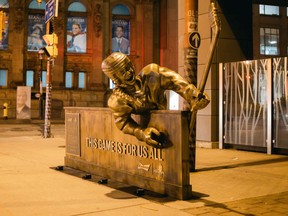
(272, 42)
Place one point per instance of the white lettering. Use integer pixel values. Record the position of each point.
(125, 148)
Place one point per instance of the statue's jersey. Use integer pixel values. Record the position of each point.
(152, 82)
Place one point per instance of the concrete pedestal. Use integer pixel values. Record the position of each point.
(95, 145)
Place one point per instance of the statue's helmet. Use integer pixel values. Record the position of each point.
(116, 65)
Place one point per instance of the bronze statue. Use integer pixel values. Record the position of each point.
(140, 94)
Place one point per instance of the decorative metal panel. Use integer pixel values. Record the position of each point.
(280, 103)
(245, 102)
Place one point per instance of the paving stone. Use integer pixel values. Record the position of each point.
(197, 211)
(209, 214)
(257, 210)
(281, 210)
(219, 210)
(232, 214)
(36, 154)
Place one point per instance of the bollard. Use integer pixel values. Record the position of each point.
(5, 110)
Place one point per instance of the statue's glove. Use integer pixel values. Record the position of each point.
(147, 134)
(200, 101)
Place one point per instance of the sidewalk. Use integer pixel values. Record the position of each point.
(227, 182)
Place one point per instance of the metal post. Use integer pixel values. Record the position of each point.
(52, 40)
(191, 60)
(269, 106)
(47, 124)
(221, 105)
(41, 56)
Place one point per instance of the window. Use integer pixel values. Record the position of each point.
(269, 41)
(68, 79)
(268, 9)
(77, 7)
(4, 22)
(120, 32)
(173, 100)
(111, 84)
(30, 78)
(36, 27)
(43, 78)
(37, 6)
(82, 80)
(76, 28)
(121, 29)
(3, 78)
(4, 4)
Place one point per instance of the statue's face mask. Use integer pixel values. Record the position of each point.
(119, 69)
(128, 75)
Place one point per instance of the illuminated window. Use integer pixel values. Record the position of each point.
(268, 9)
(35, 5)
(111, 84)
(82, 80)
(4, 4)
(4, 23)
(30, 78)
(269, 41)
(76, 28)
(43, 78)
(121, 29)
(120, 41)
(173, 100)
(3, 78)
(69, 80)
(77, 7)
(120, 9)
(36, 26)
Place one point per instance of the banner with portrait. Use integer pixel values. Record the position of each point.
(23, 108)
(76, 34)
(36, 30)
(121, 36)
(4, 30)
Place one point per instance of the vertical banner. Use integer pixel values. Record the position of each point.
(121, 36)
(36, 30)
(76, 34)
(23, 110)
(3, 30)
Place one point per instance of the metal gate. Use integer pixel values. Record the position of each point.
(254, 105)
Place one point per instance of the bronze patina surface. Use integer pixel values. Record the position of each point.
(145, 92)
(72, 133)
(108, 152)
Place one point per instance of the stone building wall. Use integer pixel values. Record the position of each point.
(17, 59)
(60, 99)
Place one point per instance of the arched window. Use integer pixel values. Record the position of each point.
(121, 29)
(76, 28)
(4, 22)
(38, 6)
(77, 7)
(36, 26)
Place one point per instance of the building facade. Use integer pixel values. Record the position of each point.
(156, 32)
(77, 76)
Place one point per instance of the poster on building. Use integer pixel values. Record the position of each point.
(3, 30)
(23, 108)
(76, 34)
(121, 36)
(36, 30)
